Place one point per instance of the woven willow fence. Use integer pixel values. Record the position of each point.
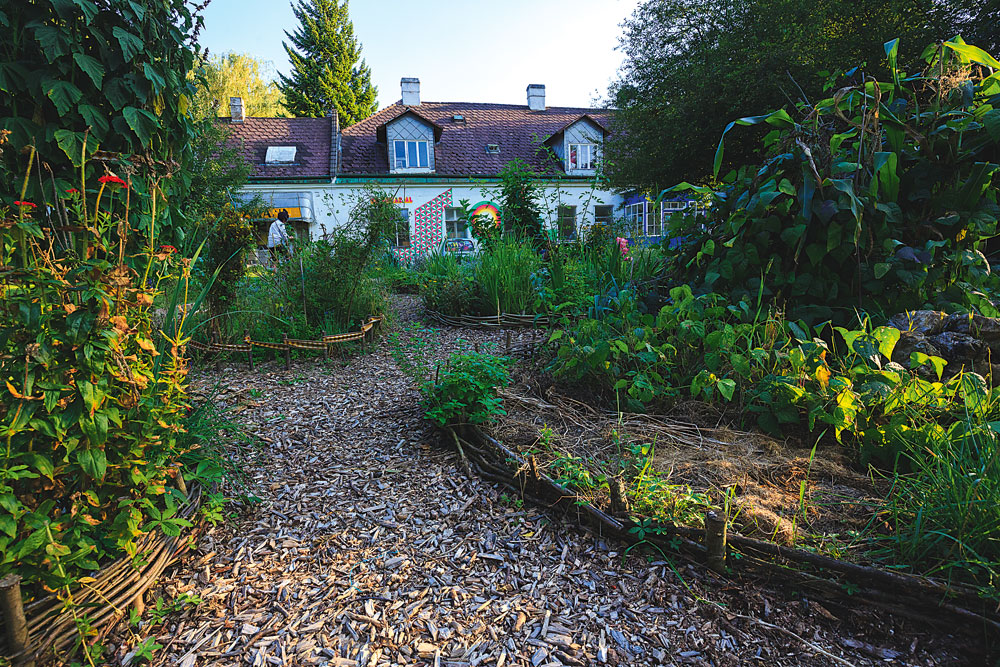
(104, 598)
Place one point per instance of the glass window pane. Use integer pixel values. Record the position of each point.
(400, 149)
(573, 156)
(422, 147)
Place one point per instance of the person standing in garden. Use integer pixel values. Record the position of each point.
(277, 237)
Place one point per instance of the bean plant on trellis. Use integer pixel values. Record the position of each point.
(879, 198)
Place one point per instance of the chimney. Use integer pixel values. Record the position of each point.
(411, 91)
(536, 97)
(236, 109)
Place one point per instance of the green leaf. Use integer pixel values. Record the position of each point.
(91, 66)
(975, 393)
(779, 119)
(886, 176)
(71, 144)
(8, 525)
(93, 462)
(973, 53)
(53, 42)
(154, 77)
(88, 8)
(891, 53)
(97, 121)
(881, 268)
(887, 338)
(62, 93)
(919, 359)
(41, 464)
(131, 44)
(991, 121)
(727, 388)
(142, 123)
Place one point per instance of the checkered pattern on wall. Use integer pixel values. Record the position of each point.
(428, 227)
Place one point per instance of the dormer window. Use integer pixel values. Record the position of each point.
(582, 156)
(279, 155)
(493, 149)
(410, 154)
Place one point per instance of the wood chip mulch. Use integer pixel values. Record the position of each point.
(370, 546)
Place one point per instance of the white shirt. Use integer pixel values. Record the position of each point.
(276, 235)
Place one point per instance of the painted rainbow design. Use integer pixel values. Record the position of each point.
(488, 208)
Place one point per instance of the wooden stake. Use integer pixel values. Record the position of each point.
(508, 341)
(326, 348)
(246, 336)
(715, 541)
(288, 352)
(13, 616)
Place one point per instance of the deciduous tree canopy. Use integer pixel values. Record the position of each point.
(691, 66)
(239, 75)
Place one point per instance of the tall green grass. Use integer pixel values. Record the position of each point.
(946, 511)
(504, 277)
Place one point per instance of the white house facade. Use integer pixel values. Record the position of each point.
(430, 156)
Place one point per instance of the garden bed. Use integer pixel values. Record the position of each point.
(801, 514)
(776, 490)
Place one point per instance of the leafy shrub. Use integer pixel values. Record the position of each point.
(83, 76)
(465, 391)
(881, 197)
(330, 285)
(230, 238)
(94, 417)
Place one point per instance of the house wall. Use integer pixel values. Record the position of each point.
(332, 205)
(409, 128)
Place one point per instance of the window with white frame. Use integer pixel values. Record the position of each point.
(455, 226)
(635, 218)
(402, 232)
(667, 208)
(411, 154)
(604, 214)
(583, 156)
(567, 222)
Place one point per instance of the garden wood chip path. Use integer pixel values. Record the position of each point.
(371, 547)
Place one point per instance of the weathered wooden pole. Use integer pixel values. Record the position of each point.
(246, 337)
(13, 617)
(288, 352)
(715, 541)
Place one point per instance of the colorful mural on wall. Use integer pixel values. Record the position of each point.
(428, 227)
(487, 208)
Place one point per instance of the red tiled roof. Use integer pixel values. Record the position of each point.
(310, 136)
(462, 149)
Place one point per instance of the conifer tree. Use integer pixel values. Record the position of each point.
(327, 69)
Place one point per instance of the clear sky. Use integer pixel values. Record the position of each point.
(472, 51)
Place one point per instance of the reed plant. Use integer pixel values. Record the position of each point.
(504, 277)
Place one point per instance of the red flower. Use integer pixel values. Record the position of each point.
(167, 248)
(111, 178)
(27, 204)
(72, 191)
